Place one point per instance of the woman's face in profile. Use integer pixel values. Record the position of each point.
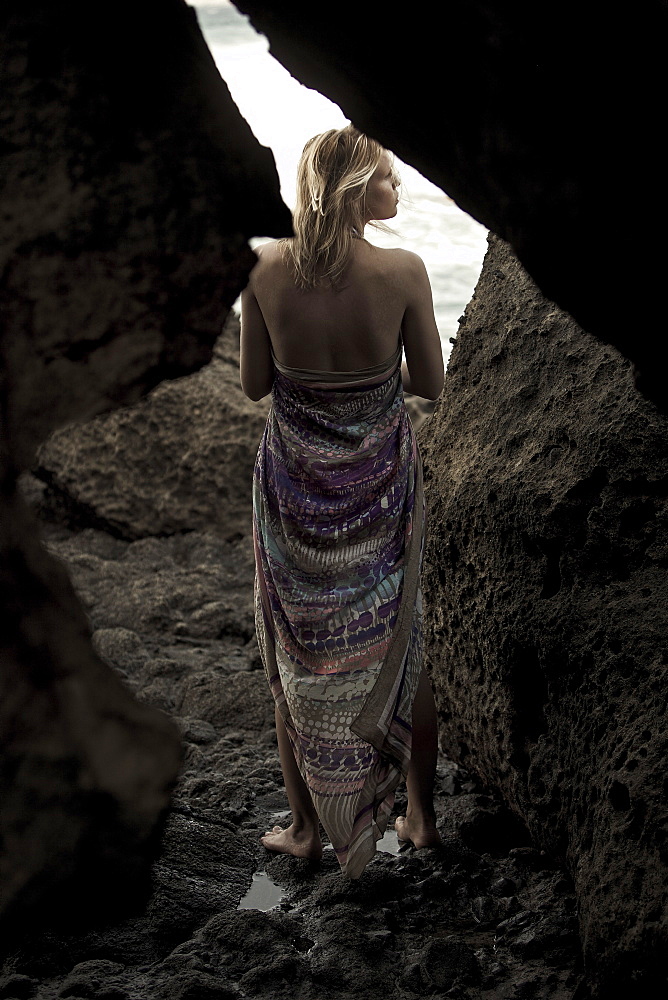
(381, 191)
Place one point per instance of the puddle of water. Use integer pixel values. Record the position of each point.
(262, 895)
(389, 843)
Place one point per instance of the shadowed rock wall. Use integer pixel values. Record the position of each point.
(547, 602)
(541, 122)
(130, 185)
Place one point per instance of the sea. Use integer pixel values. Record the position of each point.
(283, 114)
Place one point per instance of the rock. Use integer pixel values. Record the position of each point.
(17, 987)
(88, 979)
(503, 886)
(489, 911)
(178, 460)
(419, 409)
(485, 824)
(120, 647)
(256, 949)
(547, 601)
(195, 986)
(549, 166)
(547, 936)
(197, 730)
(87, 771)
(196, 589)
(130, 188)
(446, 961)
(128, 196)
(219, 698)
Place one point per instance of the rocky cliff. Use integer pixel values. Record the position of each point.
(547, 479)
(130, 186)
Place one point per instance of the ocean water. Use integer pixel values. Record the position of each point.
(283, 114)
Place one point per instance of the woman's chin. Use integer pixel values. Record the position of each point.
(382, 218)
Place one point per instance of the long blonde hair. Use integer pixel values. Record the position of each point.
(332, 177)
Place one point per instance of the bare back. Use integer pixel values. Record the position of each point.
(385, 298)
(334, 330)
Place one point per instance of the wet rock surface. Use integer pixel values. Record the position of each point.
(486, 915)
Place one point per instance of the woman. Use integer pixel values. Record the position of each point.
(338, 514)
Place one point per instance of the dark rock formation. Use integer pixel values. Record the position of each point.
(131, 184)
(180, 459)
(86, 771)
(130, 187)
(541, 122)
(547, 479)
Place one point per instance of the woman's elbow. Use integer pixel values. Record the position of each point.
(430, 388)
(435, 391)
(254, 392)
(255, 384)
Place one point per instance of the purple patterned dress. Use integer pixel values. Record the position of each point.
(338, 521)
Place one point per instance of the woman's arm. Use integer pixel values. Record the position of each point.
(422, 343)
(256, 365)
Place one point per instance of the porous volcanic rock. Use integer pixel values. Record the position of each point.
(547, 602)
(130, 187)
(178, 460)
(540, 122)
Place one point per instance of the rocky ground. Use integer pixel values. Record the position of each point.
(485, 916)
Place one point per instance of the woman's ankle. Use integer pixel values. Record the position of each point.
(421, 815)
(305, 827)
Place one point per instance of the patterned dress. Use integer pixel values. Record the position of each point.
(338, 521)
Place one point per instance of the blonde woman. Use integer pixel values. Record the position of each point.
(338, 509)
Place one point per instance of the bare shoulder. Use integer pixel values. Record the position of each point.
(266, 251)
(412, 262)
(401, 261)
(270, 264)
(406, 270)
(269, 255)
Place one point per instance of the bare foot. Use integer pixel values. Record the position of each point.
(420, 833)
(301, 844)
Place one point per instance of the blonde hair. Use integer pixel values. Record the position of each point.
(330, 211)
